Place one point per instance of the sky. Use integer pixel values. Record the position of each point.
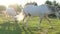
(22, 2)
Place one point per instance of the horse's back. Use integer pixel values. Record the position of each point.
(36, 10)
(11, 11)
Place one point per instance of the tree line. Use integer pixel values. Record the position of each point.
(19, 7)
(54, 3)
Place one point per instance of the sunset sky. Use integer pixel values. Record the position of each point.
(22, 2)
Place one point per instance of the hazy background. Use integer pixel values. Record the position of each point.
(23, 2)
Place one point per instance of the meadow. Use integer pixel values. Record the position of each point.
(12, 27)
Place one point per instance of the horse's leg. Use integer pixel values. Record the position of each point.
(8, 18)
(27, 21)
(15, 19)
(49, 22)
(23, 21)
(39, 24)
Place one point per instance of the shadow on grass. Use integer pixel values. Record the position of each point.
(10, 28)
(15, 28)
(28, 31)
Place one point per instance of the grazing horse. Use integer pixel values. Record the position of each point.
(10, 12)
(41, 11)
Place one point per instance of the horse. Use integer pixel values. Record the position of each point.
(32, 10)
(41, 11)
(10, 12)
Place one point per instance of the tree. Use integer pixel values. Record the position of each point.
(48, 2)
(2, 8)
(55, 3)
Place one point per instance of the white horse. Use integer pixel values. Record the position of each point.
(41, 11)
(10, 12)
(32, 10)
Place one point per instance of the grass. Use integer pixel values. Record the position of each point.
(16, 28)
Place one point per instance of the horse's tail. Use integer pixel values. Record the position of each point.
(20, 17)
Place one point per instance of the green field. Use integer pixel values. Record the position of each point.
(16, 28)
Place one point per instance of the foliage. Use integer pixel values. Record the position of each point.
(48, 2)
(2, 8)
(54, 3)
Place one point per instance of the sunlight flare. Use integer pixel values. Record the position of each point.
(20, 17)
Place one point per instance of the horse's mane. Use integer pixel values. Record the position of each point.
(31, 4)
